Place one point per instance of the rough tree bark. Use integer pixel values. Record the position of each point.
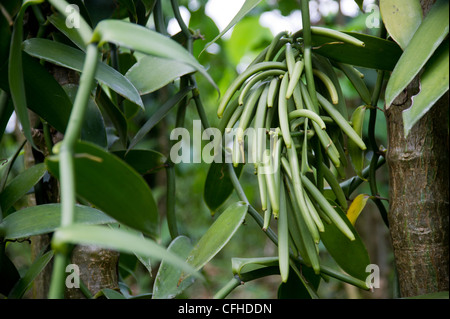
(419, 194)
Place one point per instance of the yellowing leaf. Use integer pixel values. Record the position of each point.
(356, 207)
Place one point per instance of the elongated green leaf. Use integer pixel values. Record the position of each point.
(26, 281)
(115, 115)
(5, 168)
(247, 6)
(158, 115)
(45, 95)
(218, 186)
(425, 41)
(69, 57)
(15, 72)
(152, 73)
(376, 54)
(112, 186)
(60, 23)
(434, 83)
(121, 241)
(351, 256)
(43, 219)
(93, 128)
(147, 41)
(401, 18)
(143, 161)
(167, 285)
(110, 294)
(218, 235)
(294, 288)
(20, 185)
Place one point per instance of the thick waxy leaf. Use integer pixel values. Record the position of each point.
(21, 287)
(377, 53)
(43, 219)
(112, 186)
(243, 11)
(147, 41)
(143, 161)
(44, 94)
(356, 207)
(434, 83)
(294, 287)
(421, 47)
(167, 285)
(20, 185)
(218, 186)
(15, 72)
(351, 256)
(69, 57)
(60, 23)
(152, 73)
(218, 235)
(401, 18)
(120, 240)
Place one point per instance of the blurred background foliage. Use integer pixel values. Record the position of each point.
(224, 60)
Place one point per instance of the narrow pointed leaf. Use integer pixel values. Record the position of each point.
(20, 185)
(434, 82)
(432, 31)
(112, 186)
(167, 285)
(60, 23)
(247, 6)
(120, 240)
(351, 256)
(218, 186)
(147, 41)
(158, 116)
(26, 281)
(15, 73)
(218, 235)
(72, 58)
(377, 53)
(401, 18)
(43, 219)
(151, 73)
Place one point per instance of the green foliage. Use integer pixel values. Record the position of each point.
(116, 149)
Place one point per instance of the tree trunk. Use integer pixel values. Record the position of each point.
(419, 194)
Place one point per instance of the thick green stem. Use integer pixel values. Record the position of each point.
(228, 288)
(66, 163)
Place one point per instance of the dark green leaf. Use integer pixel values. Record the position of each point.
(43, 219)
(45, 96)
(376, 54)
(351, 256)
(112, 186)
(294, 287)
(8, 272)
(167, 285)
(26, 281)
(69, 57)
(20, 185)
(143, 161)
(218, 186)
